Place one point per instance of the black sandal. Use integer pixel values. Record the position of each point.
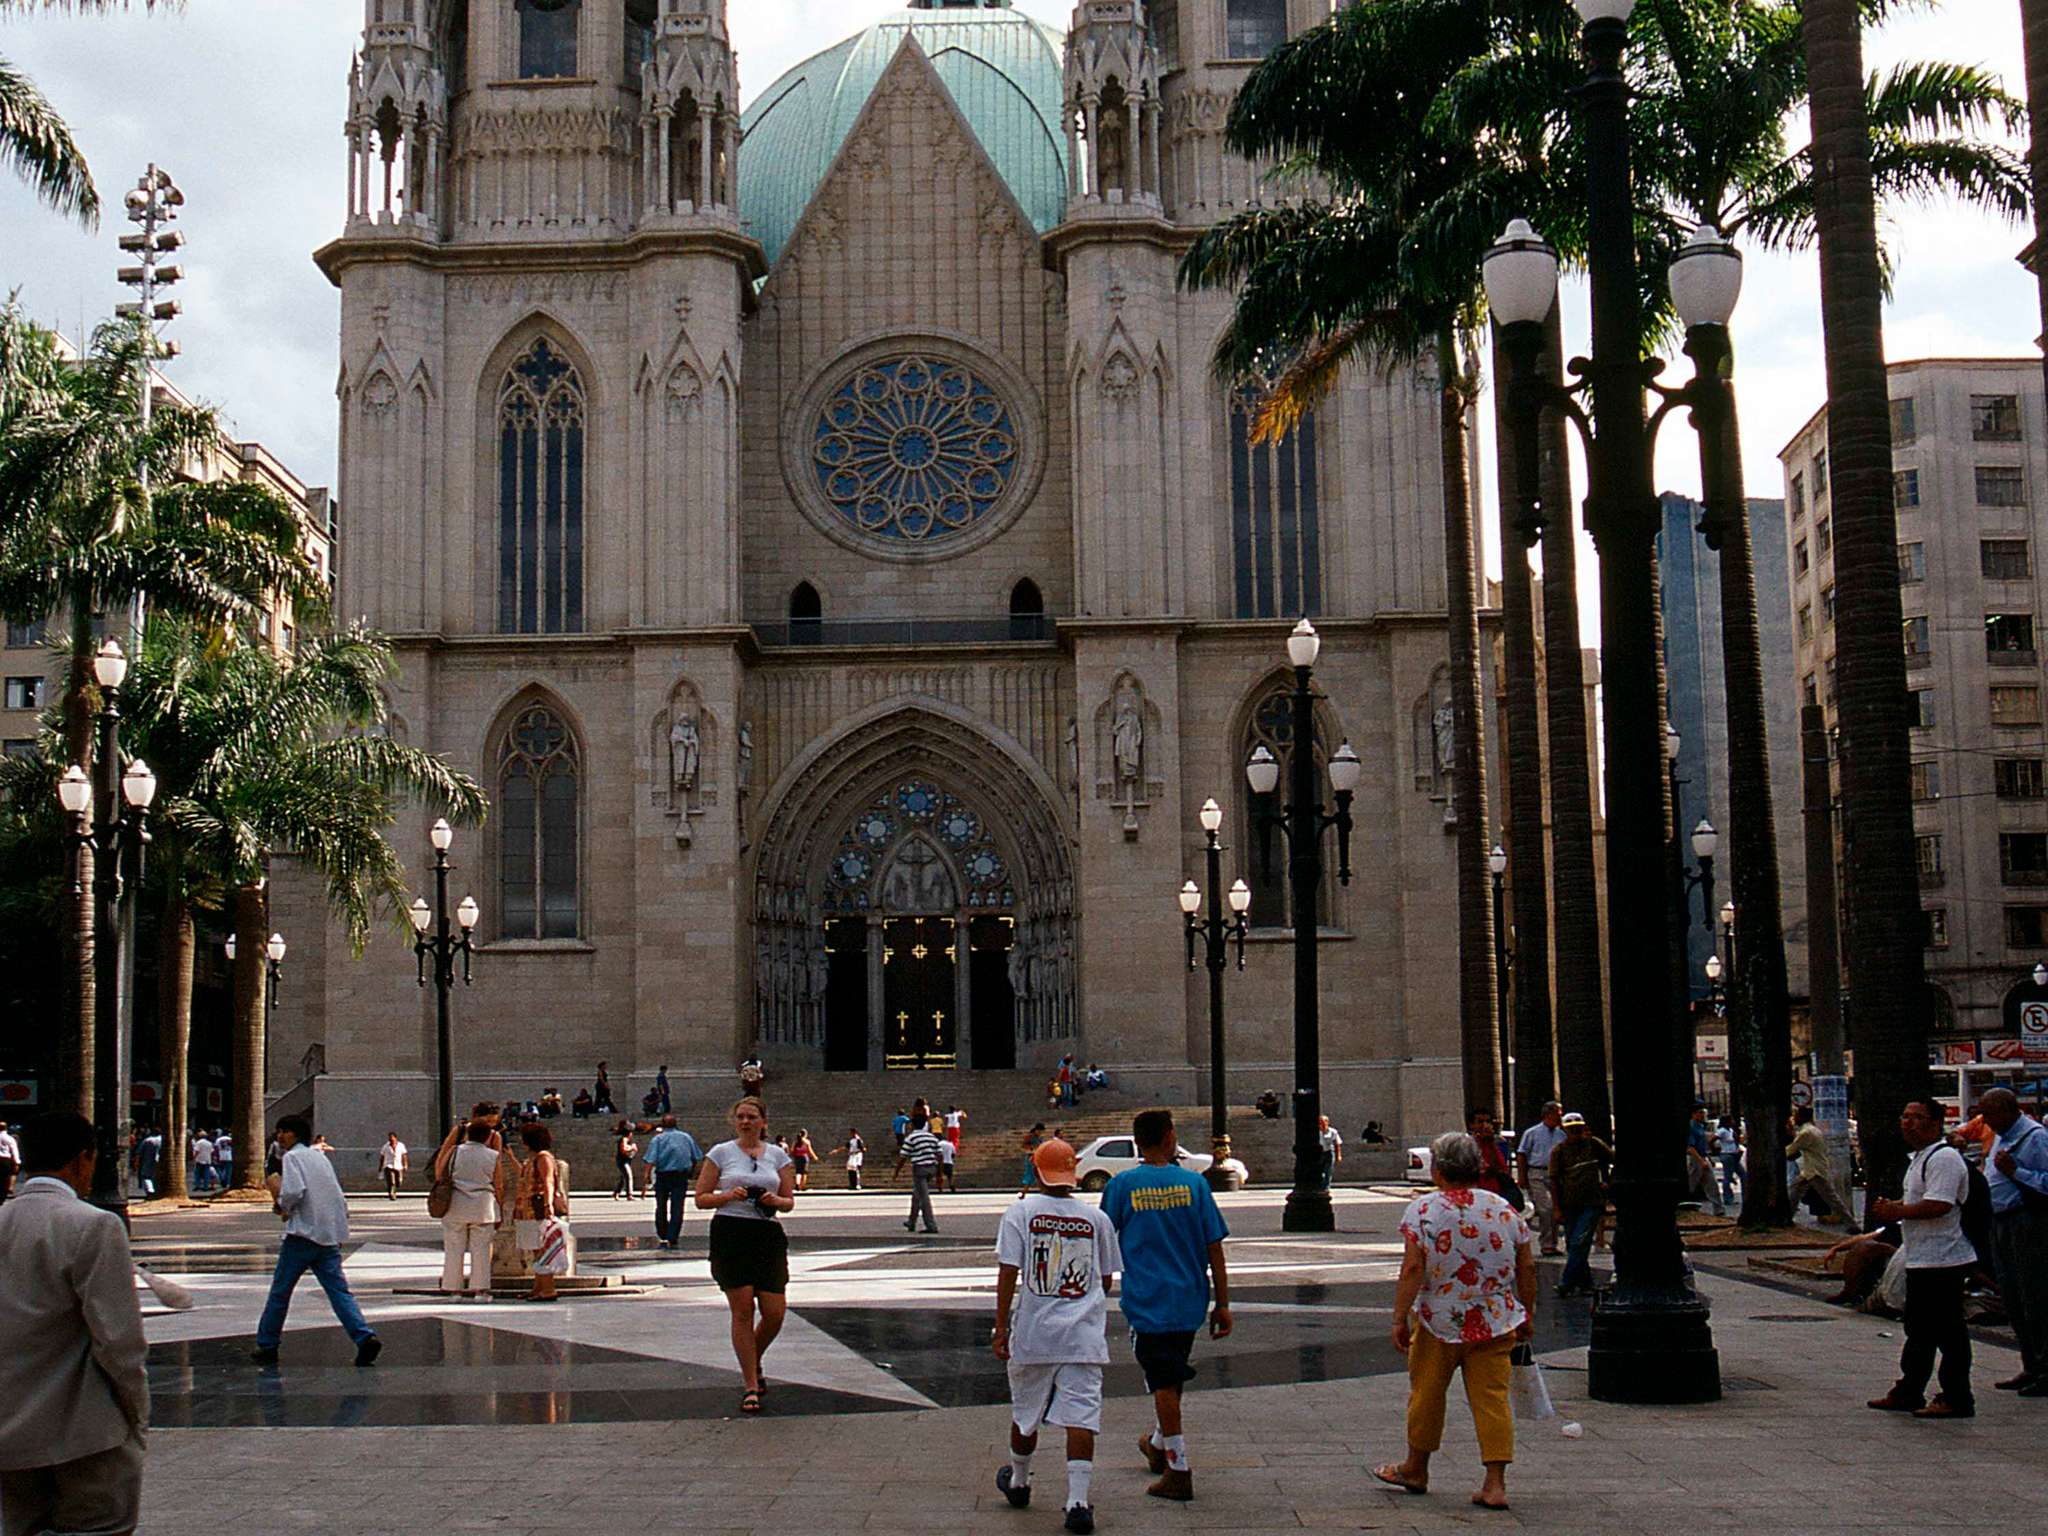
(750, 1400)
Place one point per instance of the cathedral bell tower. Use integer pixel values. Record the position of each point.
(1112, 109)
(690, 117)
(397, 122)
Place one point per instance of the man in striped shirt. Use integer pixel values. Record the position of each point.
(921, 1150)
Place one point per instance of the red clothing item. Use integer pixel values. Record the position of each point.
(1495, 1176)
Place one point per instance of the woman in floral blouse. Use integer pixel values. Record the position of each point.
(1467, 1294)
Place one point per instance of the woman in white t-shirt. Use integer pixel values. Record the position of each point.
(745, 1183)
(473, 1208)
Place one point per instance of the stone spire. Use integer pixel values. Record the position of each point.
(1112, 109)
(397, 122)
(690, 117)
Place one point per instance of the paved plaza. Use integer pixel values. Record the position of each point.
(886, 1411)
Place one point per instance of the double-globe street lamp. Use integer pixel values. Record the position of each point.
(1304, 820)
(1651, 1340)
(1706, 842)
(1216, 931)
(117, 835)
(273, 965)
(1503, 960)
(442, 944)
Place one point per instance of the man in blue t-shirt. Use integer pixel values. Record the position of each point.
(1172, 1238)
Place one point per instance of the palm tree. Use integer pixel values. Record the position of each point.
(2034, 40)
(81, 538)
(1321, 284)
(1884, 932)
(35, 143)
(255, 753)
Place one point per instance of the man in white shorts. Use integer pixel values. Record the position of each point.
(1055, 1339)
(947, 1152)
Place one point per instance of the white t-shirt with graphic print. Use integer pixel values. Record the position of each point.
(1064, 1252)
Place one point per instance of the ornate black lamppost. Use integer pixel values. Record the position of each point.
(117, 838)
(442, 946)
(1308, 1203)
(1503, 958)
(273, 966)
(1651, 1341)
(1215, 931)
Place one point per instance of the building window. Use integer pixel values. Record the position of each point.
(1798, 497)
(1823, 535)
(1801, 564)
(2005, 559)
(1919, 637)
(1255, 27)
(19, 746)
(1995, 418)
(1820, 474)
(1827, 607)
(2009, 637)
(2016, 706)
(24, 693)
(540, 495)
(1904, 430)
(1921, 711)
(547, 38)
(1027, 611)
(1927, 851)
(2000, 485)
(2023, 858)
(1937, 927)
(1927, 779)
(2026, 927)
(1805, 622)
(1275, 527)
(537, 828)
(2017, 778)
(1827, 672)
(1905, 487)
(1272, 727)
(22, 636)
(640, 26)
(1810, 690)
(806, 615)
(1912, 563)
(1165, 16)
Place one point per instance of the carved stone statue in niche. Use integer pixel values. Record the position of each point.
(1128, 736)
(681, 769)
(1074, 760)
(685, 755)
(743, 776)
(1125, 724)
(918, 881)
(1436, 745)
(1444, 727)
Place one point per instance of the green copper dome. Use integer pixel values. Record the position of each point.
(1004, 71)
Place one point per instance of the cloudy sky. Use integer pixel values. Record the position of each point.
(243, 100)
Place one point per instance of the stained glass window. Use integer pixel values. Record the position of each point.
(547, 38)
(1275, 521)
(899, 814)
(540, 495)
(912, 451)
(1255, 27)
(537, 827)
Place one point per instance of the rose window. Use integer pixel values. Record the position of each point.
(913, 451)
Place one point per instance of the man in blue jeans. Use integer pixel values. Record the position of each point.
(673, 1155)
(308, 1196)
(1578, 1186)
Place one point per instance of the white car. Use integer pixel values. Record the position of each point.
(1107, 1156)
(1420, 1161)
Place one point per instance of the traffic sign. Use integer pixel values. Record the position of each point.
(1802, 1095)
(2034, 1033)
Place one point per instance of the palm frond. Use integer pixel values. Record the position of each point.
(36, 144)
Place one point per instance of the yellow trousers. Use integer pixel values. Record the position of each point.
(1488, 1368)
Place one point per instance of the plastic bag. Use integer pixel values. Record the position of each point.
(553, 1258)
(1529, 1391)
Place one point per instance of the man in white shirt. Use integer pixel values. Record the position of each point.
(1532, 1157)
(74, 1397)
(392, 1160)
(10, 1161)
(315, 1213)
(1054, 1259)
(1938, 1259)
(202, 1162)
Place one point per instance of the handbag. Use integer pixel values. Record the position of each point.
(440, 1197)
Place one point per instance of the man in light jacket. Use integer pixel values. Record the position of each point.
(74, 1399)
(315, 1213)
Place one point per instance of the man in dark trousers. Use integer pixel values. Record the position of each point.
(921, 1150)
(1939, 1259)
(673, 1155)
(2017, 1171)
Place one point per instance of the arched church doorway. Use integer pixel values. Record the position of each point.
(914, 905)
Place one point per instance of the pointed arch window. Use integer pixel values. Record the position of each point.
(541, 409)
(547, 38)
(1027, 611)
(1275, 518)
(806, 615)
(539, 785)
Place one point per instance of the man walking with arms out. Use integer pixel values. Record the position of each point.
(921, 1150)
(315, 1213)
(74, 1401)
(2017, 1171)
(392, 1161)
(673, 1155)
(1938, 1259)
(1054, 1258)
(1532, 1156)
(1171, 1236)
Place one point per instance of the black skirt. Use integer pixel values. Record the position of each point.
(749, 1253)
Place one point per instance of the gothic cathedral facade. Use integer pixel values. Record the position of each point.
(820, 527)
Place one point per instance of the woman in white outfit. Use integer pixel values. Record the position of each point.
(472, 1213)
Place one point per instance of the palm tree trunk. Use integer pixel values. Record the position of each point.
(1581, 985)
(77, 1052)
(2034, 40)
(1888, 1022)
(252, 931)
(1478, 1035)
(1535, 1074)
(176, 946)
(1759, 1017)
